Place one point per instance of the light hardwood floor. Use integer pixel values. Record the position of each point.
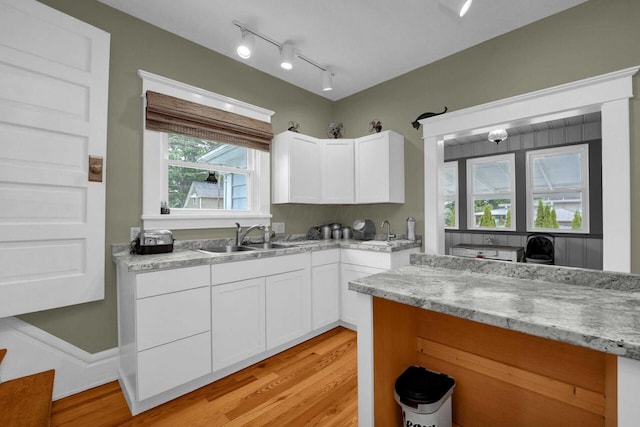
(312, 384)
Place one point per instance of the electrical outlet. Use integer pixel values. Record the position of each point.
(278, 227)
(133, 233)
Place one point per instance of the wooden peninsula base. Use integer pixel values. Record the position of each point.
(503, 378)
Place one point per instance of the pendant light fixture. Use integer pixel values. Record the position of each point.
(498, 135)
(288, 53)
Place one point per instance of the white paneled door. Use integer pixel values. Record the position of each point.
(54, 73)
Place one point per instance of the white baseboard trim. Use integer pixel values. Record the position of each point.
(31, 350)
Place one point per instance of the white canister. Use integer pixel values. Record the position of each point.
(411, 228)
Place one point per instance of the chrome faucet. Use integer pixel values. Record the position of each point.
(241, 235)
(390, 235)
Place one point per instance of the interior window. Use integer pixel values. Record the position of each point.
(557, 189)
(450, 172)
(491, 192)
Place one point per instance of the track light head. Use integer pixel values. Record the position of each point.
(459, 7)
(287, 52)
(327, 80)
(246, 45)
(465, 8)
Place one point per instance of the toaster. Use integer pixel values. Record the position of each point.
(154, 242)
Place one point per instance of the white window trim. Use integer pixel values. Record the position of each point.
(154, 169)
(583, 150)
(471, 224)
(452, 165)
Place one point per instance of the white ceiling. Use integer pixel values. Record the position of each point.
(365, 42)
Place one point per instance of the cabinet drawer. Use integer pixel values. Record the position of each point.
(165, 281)
(165, 367)
(165, 318)
(236, 271)
(329, 256)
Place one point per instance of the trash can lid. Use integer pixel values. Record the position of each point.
(418, 385)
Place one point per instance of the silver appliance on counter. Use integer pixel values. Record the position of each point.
(364, 229)
(153, 242)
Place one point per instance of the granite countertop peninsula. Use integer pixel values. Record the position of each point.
(589, 308)
(188, 253)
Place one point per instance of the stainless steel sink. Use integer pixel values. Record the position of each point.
(269, 245)
(227, 249)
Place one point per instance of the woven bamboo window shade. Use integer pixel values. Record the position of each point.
(174, 115)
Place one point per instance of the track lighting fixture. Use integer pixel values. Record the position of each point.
(288, 53)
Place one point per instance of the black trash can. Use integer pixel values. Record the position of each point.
(425, 397)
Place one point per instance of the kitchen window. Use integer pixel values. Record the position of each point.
(558, 189)
(450, 194)
(208, 176)
(491, 193)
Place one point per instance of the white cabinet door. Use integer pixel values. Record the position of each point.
(288, 306)
(296, 168)
(379, 168)
(337, 174)
(237, 321)
(348, 299)
(325, 295)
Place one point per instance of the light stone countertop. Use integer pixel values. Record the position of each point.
(593, 309)
(188, 253)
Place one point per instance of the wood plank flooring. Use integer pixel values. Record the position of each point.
(312, 384)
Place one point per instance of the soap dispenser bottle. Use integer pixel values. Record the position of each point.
(411, 229)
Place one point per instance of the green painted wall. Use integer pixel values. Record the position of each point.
(591, 39)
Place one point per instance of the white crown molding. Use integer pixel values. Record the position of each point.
(31, 350)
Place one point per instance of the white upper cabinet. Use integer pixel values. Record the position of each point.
(296, 168)
(338, 171)
(379, 168)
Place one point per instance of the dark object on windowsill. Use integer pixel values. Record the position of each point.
(164, 208)
(416, 122)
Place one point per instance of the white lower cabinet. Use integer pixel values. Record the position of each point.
(348, 298)
(182, 328)
(355, 264)
(237, 321)
(164, 330)
(258, 305)
(325, 288)
(288, 307)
